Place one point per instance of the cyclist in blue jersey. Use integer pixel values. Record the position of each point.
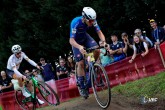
(79, 39)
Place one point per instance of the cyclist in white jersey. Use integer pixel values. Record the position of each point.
(13, 65)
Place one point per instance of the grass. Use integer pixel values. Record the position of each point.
(153, 86)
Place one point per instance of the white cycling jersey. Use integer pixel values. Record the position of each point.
(14, 62)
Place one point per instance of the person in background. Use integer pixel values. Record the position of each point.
(48, 71)
(139, 47)
(62, 70)
(164, 27)
(105, 58)
(27, 72)
(72, 79)
(5, 83)
(158, 33)
(127, 44)
(138, 32)
(37, 75)
(49, 77)
(116, 49)
(71, 64)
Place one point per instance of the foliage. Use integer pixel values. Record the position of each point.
(42, 27)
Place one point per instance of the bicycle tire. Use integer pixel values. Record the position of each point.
(45, 87)
(25, 106)
(94, 82)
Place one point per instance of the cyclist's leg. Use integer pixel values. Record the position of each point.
(91, 43)
(80, 66)
(11, 74)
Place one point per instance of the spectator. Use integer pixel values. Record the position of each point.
(71, 64)
(158, 33)
(37, 75)
(138, 32)
(164, 27)
(62, 71)
(72, 79)
(49, 77)
(105, 60)
(27, 72)
(48, 73)
(5, 83)
(116, 49)
(127, 44)
(139, 46)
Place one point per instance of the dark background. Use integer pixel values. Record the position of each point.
(42, 27)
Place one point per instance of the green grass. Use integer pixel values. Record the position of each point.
(153, 86)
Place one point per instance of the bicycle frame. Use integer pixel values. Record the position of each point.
(35, 86)
(89, 57)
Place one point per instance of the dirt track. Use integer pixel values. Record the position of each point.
(118, 103)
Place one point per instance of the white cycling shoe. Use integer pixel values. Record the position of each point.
(40, 101)
(25, 93)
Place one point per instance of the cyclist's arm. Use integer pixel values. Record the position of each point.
(74, 43)
(101, 35)
(29, 60)
(17, 72)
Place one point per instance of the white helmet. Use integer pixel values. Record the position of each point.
(89, 13)
(16, 49)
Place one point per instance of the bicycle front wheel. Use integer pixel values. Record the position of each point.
(101, 85)
(23, 102)
(48, 94)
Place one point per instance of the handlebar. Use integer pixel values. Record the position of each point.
(100, 47)
(28, 76)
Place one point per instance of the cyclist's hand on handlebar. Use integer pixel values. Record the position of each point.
(82, 50)
(106, 47)
(25, 78)
(40, 67)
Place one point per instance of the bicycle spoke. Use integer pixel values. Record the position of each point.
(100, 84)
(25, 103)
(48, 94)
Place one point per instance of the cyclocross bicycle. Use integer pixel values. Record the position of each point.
(31, 102)
(98, 77)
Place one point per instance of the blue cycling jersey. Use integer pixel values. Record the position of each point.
(78, 28)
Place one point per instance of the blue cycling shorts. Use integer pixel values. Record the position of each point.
(87, 42)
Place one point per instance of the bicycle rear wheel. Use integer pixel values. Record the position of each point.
(101, 85)
(24, 103)
(48, 94)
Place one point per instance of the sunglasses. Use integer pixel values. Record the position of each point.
(18, 53)
(61, 62)
(90, 21)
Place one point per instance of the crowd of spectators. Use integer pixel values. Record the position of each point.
(139, 44)
(5, 83)
(117, 50)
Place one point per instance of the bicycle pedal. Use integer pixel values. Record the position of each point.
(100, 85)
(27, 99)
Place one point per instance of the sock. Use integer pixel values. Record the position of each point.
(81, 82)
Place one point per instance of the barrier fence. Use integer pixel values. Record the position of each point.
(119, 73)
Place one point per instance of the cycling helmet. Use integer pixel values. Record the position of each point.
(16, 49)
(89, 13)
